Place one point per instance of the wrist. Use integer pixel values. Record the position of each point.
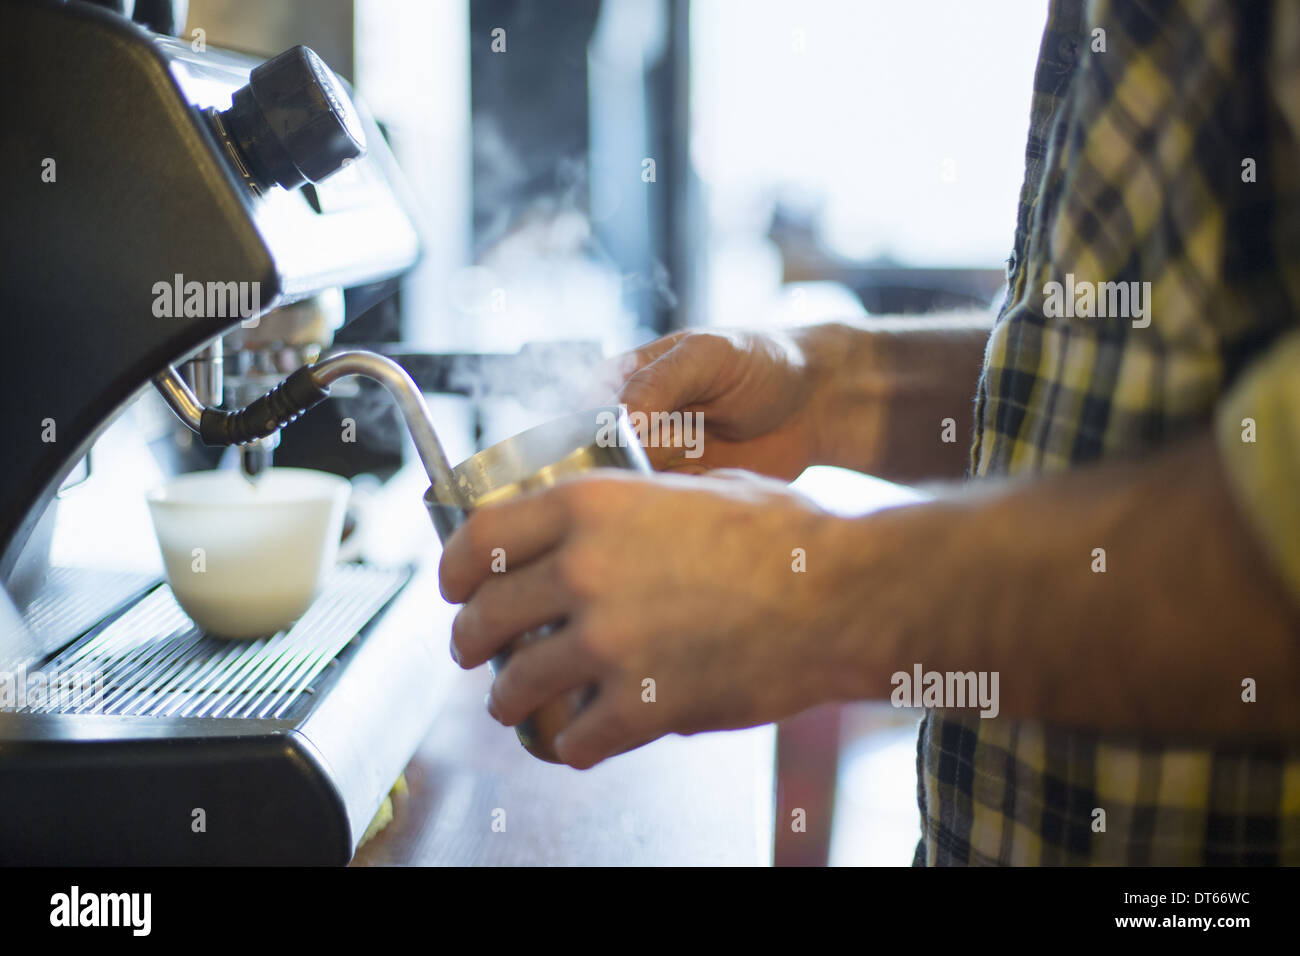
(882, 610)
(829, 350)
(858, 630)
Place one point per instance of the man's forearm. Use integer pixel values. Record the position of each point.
(889, 384)
(1011, 580)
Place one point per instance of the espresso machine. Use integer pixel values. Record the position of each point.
(180, 226)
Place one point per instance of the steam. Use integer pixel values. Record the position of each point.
(377, 419)
(549, 376)
(542, 254)
(656, 283)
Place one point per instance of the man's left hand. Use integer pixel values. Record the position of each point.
(690, 603)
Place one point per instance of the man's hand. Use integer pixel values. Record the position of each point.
(755, 392)
(691, 583)
(890, 396)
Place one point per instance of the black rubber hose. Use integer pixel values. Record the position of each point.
(277, 408)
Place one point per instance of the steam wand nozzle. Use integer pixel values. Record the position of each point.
(410, 402)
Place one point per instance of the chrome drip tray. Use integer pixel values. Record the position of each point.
(152, 661)
(288, 744)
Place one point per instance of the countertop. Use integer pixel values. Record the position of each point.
(475, 796)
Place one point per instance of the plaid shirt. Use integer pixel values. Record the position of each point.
(1136, 171)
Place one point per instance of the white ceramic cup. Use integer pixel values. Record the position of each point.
(246, 559)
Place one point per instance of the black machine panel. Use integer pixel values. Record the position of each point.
(119, 191)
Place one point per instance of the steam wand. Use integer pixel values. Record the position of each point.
(303, 390)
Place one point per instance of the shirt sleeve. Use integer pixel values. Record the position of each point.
(1257, 429)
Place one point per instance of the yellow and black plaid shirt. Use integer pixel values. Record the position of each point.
(1170, 157)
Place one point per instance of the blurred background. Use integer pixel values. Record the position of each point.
(613, 169)
(610, 170)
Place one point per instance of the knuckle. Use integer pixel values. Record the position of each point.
(581, 571)
(595, 639)
(571, 496)
(574, 753)
(472, 550)
(448, 586)
(655, 374)
(460, 625)
(650, 386)
(463, 631)
(582, 748)
(707, 342)
(491, 606)
(639, 383)
(475, 531)
(585, 638)
(595, 497)
(618, 723)
(506, 692)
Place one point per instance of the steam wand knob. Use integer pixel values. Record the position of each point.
(294, 122)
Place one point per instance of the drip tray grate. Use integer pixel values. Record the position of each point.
(73, 600)
(153, 662)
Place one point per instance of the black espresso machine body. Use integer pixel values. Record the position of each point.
(135, 163)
